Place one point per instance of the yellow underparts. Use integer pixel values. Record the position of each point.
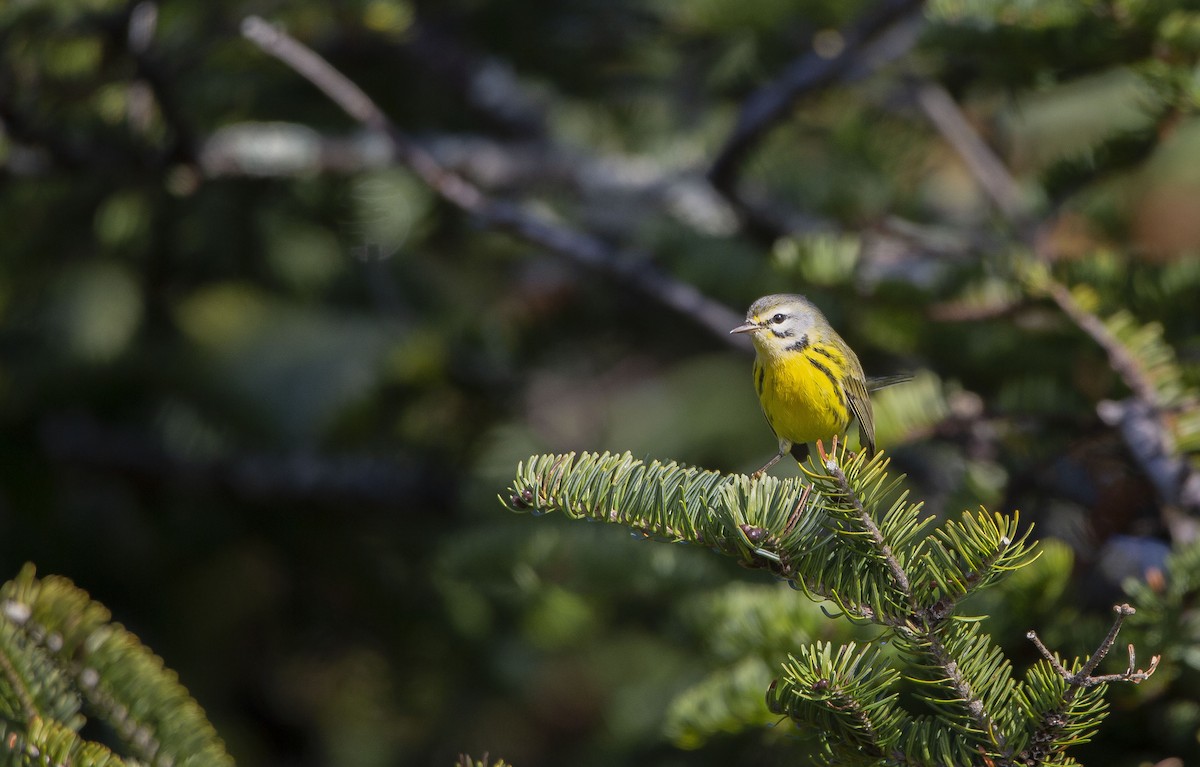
(801, 393)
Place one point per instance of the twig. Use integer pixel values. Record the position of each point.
(632, 268)
(1083, 678)
(1049, 656)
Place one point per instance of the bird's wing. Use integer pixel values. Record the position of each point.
(860, 405)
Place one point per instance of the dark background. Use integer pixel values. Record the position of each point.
(261, 385)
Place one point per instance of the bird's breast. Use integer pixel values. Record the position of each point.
(802, 395)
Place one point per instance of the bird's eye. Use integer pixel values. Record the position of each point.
(778, 318)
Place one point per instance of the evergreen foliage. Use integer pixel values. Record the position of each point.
(64, 661)
(264, 363)
(848, 534)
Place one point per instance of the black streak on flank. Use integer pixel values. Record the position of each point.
(800, 345)
(759, 375)
(828, 374)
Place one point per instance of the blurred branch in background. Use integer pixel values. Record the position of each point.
(631, 268)
(344, 480)
(885, 32)
(155, 86)
(288, 150)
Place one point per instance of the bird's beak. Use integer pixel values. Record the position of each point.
(748, 327)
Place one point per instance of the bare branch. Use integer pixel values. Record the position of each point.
(1054, 719)
(1083, 678)
(1131, 673)
(632, 268)
(1050, 657)
(1123, 611)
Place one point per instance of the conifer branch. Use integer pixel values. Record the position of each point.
(966, 696)
(1145, 431)
(842, 691)
(1120, 359)
(921, 631)
(1148, 367)
(66, 649)
(761, 522)
(899, 576)
(49, 743)
(846, 533)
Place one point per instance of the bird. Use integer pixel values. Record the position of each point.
(809, 381)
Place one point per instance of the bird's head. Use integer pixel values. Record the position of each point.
(782, 322)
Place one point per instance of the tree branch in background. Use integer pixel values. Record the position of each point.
(1119, 358)
(864, 41)
(1139, 419)
(632, 268)
(488, 83)
(310, 477)
(986, 168)
(154, 86)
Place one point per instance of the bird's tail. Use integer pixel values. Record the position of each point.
(875, 383)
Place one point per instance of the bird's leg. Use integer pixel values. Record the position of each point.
(784, 446)
(758, 474)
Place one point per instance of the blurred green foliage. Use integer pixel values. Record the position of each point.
(259, 387)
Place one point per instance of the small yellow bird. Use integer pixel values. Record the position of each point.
(809, 381)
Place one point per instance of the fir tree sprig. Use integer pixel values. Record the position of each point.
(846, 532)
(758, 522)
(846, 691)
(63, 657)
